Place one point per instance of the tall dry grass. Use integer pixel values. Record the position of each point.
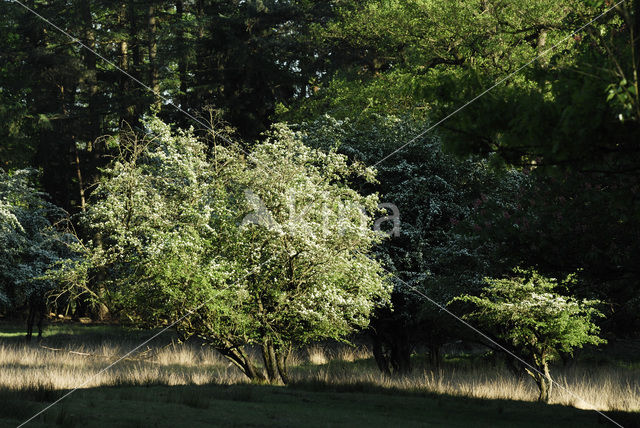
(34, 366)
(602, 389)
(25, 366)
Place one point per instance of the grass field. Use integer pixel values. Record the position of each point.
(190, 385)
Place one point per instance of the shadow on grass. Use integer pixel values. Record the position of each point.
(626, 419)
(309, 403)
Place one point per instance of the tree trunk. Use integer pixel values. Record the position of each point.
(153, 53)
(37, 310)
(199, 51)
(134, 39)
(102, 312)
(138, 102)
(270, 361)
(543, 380)
(392, 352)
(182, 48)
(124, 65)
(435, 358)
(241, 360)
(545, 384)
(281, 359)
(401, 354)
(90, 65)
(93, 159)
(83, 204)
(380, 356)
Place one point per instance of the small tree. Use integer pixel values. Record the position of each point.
(271, 248)
(527, 312)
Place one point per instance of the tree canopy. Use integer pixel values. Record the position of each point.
(267, 248)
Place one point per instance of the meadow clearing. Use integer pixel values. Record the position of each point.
(169, 383)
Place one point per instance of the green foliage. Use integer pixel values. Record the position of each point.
(433, 57)
(253, 55)
(570, 116)
(33, 241)
(383, 71)
(623, 96)
(429, 53)
(270, 248)
(316, 238)
(438, 250)
(567, 222)
(530, 312)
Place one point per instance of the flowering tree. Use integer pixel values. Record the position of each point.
(527, 311)
(32, 245)
(268, 249)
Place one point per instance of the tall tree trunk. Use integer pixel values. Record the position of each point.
(182, 48)
(83, 204)
(153, 53)
(138, 103)
(134, 39)
(67, 132)
(380, 355)
(93, 132)
(91, 71)
(200, 23)
(131, 101)
(92, 84)
(125, 83)
(435, 358)
(400, 353)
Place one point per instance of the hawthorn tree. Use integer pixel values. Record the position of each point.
(34, 244)
(267, 249)
(528, 311)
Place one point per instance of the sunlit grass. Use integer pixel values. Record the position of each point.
(76, 360)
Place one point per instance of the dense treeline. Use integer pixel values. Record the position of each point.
(58, 98)
(541, 172)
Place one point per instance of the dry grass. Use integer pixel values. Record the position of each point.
(603, 389)
(33, 367)
(28, 366)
